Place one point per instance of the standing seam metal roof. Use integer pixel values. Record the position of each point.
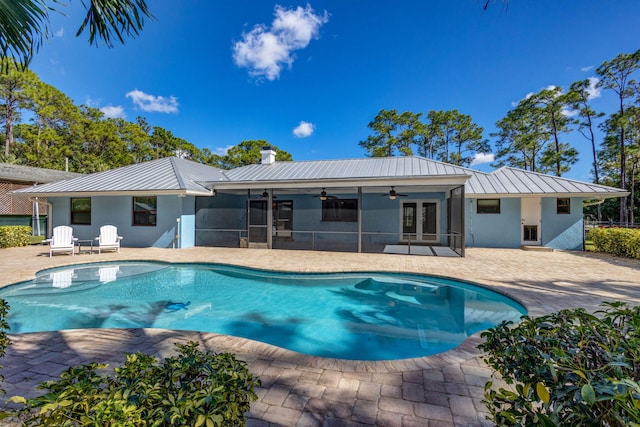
(179, 175)
(164, 174)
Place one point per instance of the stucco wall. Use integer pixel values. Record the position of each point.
(562, 231)
(117, 210)
(493, 230)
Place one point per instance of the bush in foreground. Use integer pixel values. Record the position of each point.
(194, 388)
(570, 368)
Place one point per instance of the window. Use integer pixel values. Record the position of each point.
(145, 210)
(563, 206)
(81, 210)
(340, 210)
(488, 206)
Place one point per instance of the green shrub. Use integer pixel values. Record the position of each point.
(193, 388)
(14, 235)
(570, 368)
(617, 241)
(4, 326)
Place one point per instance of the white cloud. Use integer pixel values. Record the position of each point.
(112, 111)
(304, 129)
(587, 68)
(222, 151)
(481, 158)
(151, 103)
(264, 51)
(593, 90)
(567, 112)
(59, 33)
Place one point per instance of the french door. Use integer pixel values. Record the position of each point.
(420, 220)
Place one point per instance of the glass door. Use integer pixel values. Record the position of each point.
(409, 221)
(429, 221)
(420, 221)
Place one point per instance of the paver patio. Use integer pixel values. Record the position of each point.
(299, 390)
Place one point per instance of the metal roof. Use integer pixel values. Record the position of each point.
(367, 168)
(33, 175)
(508, 181)
(168, 175)
(178, 176)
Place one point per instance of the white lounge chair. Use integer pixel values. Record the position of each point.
(108, 238)
(62, 240)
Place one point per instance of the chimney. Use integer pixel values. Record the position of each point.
(268, 155)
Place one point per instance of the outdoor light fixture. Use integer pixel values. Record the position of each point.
(323, 195)
(265, 194)
(393, 195)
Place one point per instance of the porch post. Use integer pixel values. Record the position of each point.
(359, 219)
(270, 220)
(462, 226)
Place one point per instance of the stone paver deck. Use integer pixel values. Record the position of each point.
(298, 390)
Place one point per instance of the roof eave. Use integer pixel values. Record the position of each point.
(340, 182)
(595, 195)
(114, 193)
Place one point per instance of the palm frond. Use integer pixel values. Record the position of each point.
(23, 24)
(114, 19)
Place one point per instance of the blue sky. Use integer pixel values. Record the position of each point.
(309, 77)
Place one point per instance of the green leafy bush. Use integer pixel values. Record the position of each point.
(616, 241)
(569, 368)
(14, 235)
(193, 388)
(4, 326)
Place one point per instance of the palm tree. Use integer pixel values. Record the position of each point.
(24, 24)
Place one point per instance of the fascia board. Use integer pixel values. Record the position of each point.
(610, 195)
(113, 193)
(328, 183)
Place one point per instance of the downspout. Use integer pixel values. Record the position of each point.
(49, 219)
(473, 238)
(593, 203)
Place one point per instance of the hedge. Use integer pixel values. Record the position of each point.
(616, 241)
(14, 235)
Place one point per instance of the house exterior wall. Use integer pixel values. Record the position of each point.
(562, 231)
(503, 230)
(118, 211)
(493, 230)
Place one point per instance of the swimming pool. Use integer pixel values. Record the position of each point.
(357, 316)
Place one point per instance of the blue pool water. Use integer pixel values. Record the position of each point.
(360, 316)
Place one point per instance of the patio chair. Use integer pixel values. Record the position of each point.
(62, 240)
(108, 238)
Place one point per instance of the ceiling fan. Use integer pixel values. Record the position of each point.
(393, 194)
(265, 195)
(324, 196)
